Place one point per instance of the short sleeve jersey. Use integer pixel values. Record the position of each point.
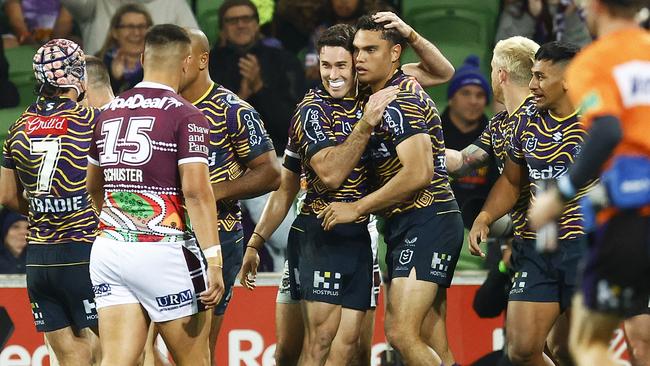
(237, 136)
(47, 147)
(413, 112)
(496, 140)
(142, 138)
(547, 146)
(321, 121)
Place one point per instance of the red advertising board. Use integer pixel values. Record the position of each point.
(248, 332)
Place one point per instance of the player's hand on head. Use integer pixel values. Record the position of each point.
(377, 103)
(213, 294)
(248, 272)
(339, 213)
(393, 22)
(477, 235)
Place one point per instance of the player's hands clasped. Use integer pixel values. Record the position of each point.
(377, 103)
(339, 213)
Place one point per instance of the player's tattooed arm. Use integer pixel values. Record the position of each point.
(11, 192)
(334, 164)
(433, 68)
(462, 163)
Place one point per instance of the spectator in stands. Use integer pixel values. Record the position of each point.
(543, 21)
(13, 233)
(124, 45)
(8, 90)
(93, 17)
(462, 122)
(269, 78)
(32, 21)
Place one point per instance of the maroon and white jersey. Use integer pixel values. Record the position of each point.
(141, 139)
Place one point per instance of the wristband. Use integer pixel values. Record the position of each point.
(252, 247)
(261, 237)
(212, 252)
(413, 36)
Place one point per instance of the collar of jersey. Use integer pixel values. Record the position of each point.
(152, 85)
(560, 119)
(205, 95)
(521, 104)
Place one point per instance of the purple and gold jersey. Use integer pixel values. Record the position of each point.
(237, 136)
(547, 146)
(321, 121)
(141, 139)
(496, 140)
(47, 147)
(413, 112)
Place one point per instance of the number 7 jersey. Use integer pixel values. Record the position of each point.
(47, 148)
(141, 139)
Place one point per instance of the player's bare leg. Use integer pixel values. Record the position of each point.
(215, 327)
(637, 333)
(409, 300)
(122, 334)
(434, 328)
(71, 348)
(558, 340)
(590, 335)
(323, 321)
(527, 327)
(289, 332)
(346, 340)
(364, 353)
(188, 338)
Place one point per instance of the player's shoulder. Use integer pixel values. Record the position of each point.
(313, 99)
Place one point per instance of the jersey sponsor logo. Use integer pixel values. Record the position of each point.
(633, 79)
(253, 137)
(327, 283)
(394, 120)
(139, 101)
(313, 121)
(550, 172)
(440, 264)
(557, 137)
(405, 256)
(57, 205)
(175, 301)
(197, 138)
(39, 125)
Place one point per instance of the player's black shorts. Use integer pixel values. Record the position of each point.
(336, 266)
(546, 277)
(616, 277)
(232, 250)
(429, 239)
(294, 242)
(59, 288)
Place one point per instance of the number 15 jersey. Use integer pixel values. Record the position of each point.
(141, 139)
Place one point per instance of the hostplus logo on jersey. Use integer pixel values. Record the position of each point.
(440, 264)
(175, 301)
(327, 283)
(90, 309)
(519, 282)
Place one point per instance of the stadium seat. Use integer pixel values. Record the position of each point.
(207, 15)
(489, 6)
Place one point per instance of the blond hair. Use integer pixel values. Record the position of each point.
(516, 56)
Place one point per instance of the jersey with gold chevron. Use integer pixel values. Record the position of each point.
(495, 140)
(322, 121)
(47, 148)
(413, 112)
(237, 136)
(547, 146)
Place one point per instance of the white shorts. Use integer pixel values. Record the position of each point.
(164, 277)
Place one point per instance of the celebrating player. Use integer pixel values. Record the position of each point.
(148, 174)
